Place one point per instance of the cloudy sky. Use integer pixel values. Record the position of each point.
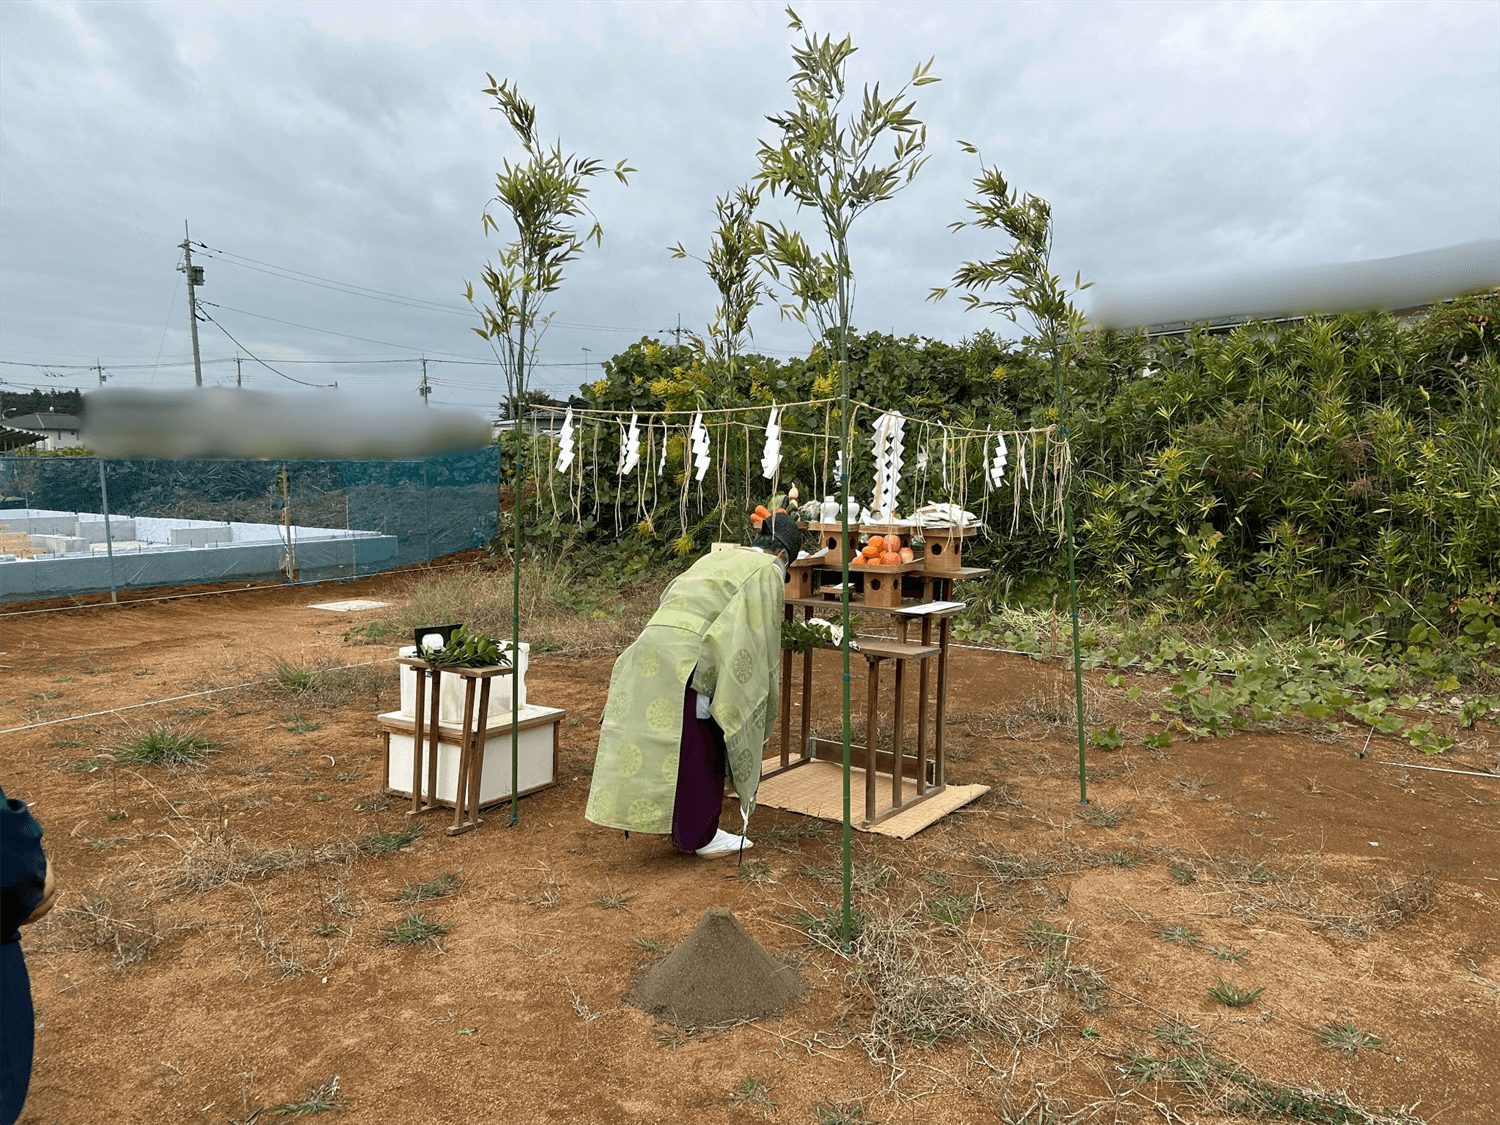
(336, 158)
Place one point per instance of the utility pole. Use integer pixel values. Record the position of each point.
(99, 367)
(238, 381)
(426, 388)
(194, 278)
(585, 364)
(677, 332)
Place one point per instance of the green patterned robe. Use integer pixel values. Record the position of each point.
(722, 616)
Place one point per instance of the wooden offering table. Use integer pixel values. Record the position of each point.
(923, 765)
(433, 745)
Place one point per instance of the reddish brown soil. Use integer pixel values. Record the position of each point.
(518, 1015)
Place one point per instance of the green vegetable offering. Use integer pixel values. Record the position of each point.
(467, 649)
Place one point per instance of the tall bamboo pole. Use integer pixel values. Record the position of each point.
(519, 389)
(1060, 392)
(846, 456)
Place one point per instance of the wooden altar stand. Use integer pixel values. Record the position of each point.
(430, 738)
(895, 779)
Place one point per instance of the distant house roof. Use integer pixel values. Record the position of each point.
(29, 429)
(48, 423)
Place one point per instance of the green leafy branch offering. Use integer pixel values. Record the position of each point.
(801, 636)
(467, 649)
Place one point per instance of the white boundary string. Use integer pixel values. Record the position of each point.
(173, 699)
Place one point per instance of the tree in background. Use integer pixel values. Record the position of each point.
(541, 198)
(1024, 275)
(827, 163)
(733, 260)
(733, 265)
(13, 403)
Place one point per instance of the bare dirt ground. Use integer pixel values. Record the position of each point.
(219, 949)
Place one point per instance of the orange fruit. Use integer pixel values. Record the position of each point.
(877, 541)
(762, 511)
(893, 542)
(890, 558)
(907, 555)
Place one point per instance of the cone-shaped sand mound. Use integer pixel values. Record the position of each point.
(718, 975)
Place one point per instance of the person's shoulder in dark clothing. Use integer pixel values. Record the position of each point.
(23, 866)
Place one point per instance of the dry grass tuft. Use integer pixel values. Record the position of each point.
(612, 899)
(222, 855)
(754, 1093)
(129, 933)
(320, 1099)
(326, 684)
(580, 1006)
(550, 894)
(564, 611)
(1404, 899)
(865, 876)
(1211, 1084)
(926, 991)
(1012, 867)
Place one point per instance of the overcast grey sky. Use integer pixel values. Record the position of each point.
(350, 141)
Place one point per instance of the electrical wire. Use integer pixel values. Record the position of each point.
(170, 699)
(351, 289)
(272, 359)
(331, 332)
(263, 363)
(171, 308)
(108, 366)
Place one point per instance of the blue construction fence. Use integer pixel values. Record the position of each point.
(191, 522)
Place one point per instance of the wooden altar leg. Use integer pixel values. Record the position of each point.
(417, 735)
(477, 744)
(938, 750)
(465, 763)
(433, 738)
(807, 686)
(898, 733)
(872, 713)
(786, 702)
(922, 710)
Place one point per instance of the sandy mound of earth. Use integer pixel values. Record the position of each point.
(718, 975)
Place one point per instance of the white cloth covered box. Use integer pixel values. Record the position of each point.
(451, 688)
(537, 754)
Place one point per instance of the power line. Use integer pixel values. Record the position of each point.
(34, 386)
(171, 308)
(350, 290)
(331, 332)
(263, 363)
(370, 361)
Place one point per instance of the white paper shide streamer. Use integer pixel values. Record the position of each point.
(994, 472)
(661, 466)
(770, 459)
(698, 439)
(565, 442)
(630, 449)
(889, 443)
